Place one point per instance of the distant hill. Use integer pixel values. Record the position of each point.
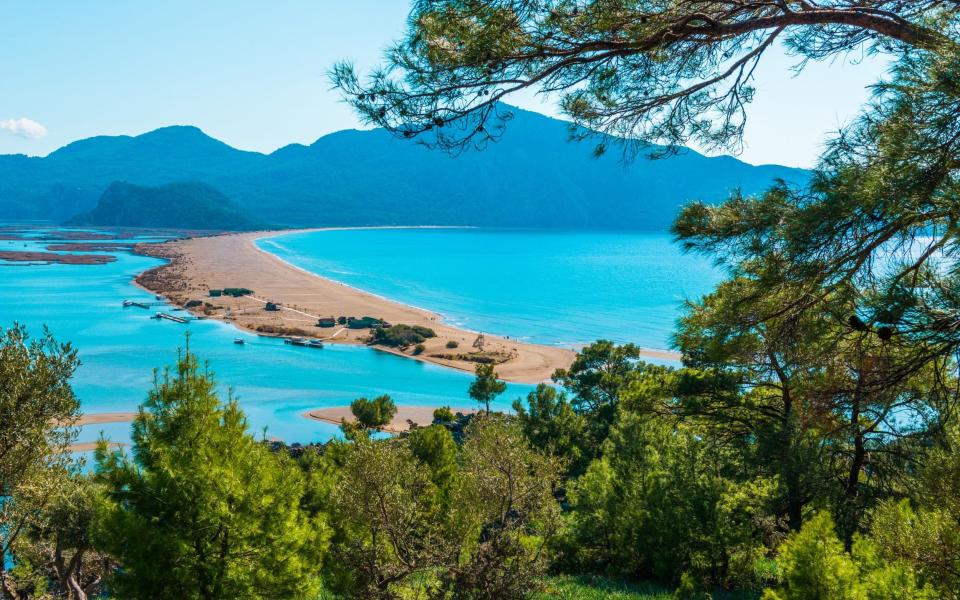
(532, 177)
(188, 205)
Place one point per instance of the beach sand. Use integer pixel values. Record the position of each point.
(200, 264)
(421, 415)
(90, 446)
(101, 418)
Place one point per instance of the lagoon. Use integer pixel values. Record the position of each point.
(120, 347)
(552, 287)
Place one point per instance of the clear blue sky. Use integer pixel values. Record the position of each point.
(253, 74)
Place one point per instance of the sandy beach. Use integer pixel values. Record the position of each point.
(421, 415)
(197, 265)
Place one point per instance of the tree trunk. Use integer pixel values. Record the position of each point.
(7, 589)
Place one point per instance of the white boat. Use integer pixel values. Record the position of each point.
(239, 340)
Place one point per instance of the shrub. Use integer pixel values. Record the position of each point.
(373, 414)
(453, 344)
(418, 349)
(443, 415)
(402, 335)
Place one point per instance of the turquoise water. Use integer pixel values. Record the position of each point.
(566, 288)
(275, 383)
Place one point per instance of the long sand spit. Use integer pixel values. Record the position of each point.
(197, 265)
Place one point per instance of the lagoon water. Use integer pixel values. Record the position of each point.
(565, 288)
(551, 287)
(275, 383)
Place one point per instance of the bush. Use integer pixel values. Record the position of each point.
(443, 415)
(373, 414)
(401, 336)
(418, 349)
(453, 344)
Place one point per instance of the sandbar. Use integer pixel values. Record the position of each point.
(421, 415)
(197, 265)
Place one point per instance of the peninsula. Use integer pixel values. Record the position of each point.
(300, 299)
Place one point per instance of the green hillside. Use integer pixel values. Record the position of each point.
(187, 205)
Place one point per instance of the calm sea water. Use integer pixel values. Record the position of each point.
(275, 383)
(566, 288)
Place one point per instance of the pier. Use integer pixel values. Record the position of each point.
(127, 303)
(175, 319)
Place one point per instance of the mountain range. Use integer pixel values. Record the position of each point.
(532, 177)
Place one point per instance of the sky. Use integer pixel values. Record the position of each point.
(254, 74)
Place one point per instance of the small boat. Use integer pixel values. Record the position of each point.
(295, 341)
(315, 344)
(158, 296)
(238, 340)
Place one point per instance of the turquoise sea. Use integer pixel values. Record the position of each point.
(565, 288)
(275, 383)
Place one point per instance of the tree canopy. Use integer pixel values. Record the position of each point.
(654, 72)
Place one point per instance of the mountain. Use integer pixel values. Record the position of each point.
(185, 205)
(532, 177)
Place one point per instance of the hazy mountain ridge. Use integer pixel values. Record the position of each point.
(532, 177)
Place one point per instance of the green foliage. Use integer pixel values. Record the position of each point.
(443, 414)
(486, 386)
(416, 516)
(389, 530)
(551, 425)
(55, 554)
(418, 349)
(815, 566)
(201, 509)
(373, 414)
(434, 447)
(452, 344)
(657, 505)
(506, 495)
(37, 410)
(401, 336)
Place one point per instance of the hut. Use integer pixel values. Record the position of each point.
(216, 293)
(326, 322)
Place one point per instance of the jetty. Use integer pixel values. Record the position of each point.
(169, 317)
(127, 303)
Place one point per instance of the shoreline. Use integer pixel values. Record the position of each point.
(644, 352)
(196, 265)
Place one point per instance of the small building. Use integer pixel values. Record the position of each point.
(326, 322)
(364, 323)
(216, 293)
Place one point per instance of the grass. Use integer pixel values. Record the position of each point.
(595, 588)
(601, 588)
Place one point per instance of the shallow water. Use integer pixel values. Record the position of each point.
(120, 347)
(565, 288)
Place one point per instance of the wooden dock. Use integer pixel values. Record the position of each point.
(127, 303)
(169, 317)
